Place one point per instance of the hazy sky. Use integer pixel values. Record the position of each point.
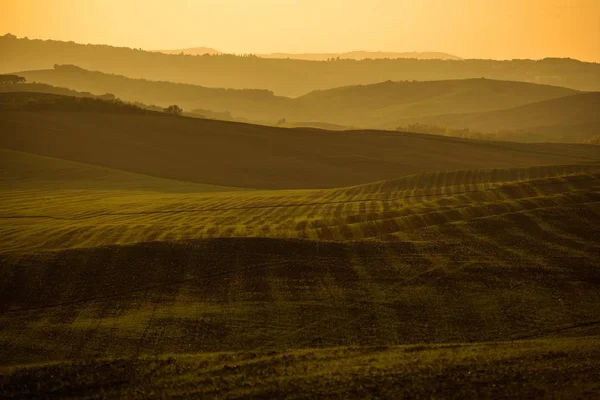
(468, 28)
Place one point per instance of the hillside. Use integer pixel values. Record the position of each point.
(465, 256)
(256, 104)
(516, 369)
(30, 172)
(137, 209)
(252, 156)
(31, 87)
(284, 77)
(415, 262)
(33, 101)
(380, 105)
(571, 118)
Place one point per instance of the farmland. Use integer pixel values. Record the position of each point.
(464, 256)
(560, 368)
(300, 200)
(177, 284)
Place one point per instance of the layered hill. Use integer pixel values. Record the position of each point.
(117, 252)
(382, 105)
(351, 55)
(570, 118)
(127, 271)
(34, 101)
(284, 77)
(362, 55)
(243, 155)
(256, 104)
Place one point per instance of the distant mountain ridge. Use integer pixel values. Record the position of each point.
(362, 55)
(569, 119)
(350, 55)
(194, 51)
(290, 78)
(380, 105)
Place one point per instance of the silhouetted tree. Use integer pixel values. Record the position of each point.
(174, 110)
(9, 79)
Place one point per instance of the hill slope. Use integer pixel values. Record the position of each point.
(256, 104)
(475, 255)
(492, 370)
(33, 101)
(284, 77)
(241, 155)
(376, 289)
(570, 118)
(379, 105)
(30, 172)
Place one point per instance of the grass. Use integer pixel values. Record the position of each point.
(21, 171)
(168, 267)
(134, 208)
(558, 368)
(468, 283)
(250, 156)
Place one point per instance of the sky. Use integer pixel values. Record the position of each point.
(499, 29)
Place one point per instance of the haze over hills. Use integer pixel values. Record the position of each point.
(284, 77)
(252, 156)
(381, 105)
(194, 51)
(362, 55)
(187, 223)
(571, 118)
(467, 108)
(351, 55)
(258, 104)
(124, 240)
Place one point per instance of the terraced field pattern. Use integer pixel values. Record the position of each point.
(479, 281)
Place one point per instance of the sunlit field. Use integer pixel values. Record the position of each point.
(309, 199)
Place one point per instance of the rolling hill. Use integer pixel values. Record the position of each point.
(383, 105)
(259, 105)
(31, 172)
(33, 101)
(284, 77)
(458, 257)
(569, 119)
(516, 369)
(251, 156)
(369, 263)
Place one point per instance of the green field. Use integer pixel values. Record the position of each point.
(462, 267)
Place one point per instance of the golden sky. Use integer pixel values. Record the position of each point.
(501, 29)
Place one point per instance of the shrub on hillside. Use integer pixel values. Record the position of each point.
(174, 110)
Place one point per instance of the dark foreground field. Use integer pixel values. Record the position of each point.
(469, 281)
(559, 368)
